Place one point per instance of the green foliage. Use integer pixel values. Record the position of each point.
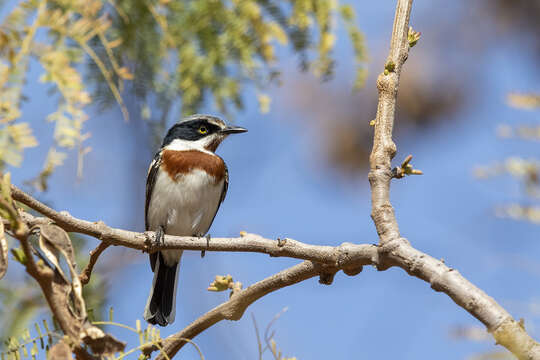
(526, 171)
(358, 43)
(7, 208)
(17, 348)
(208, 47)
(68, 26)
(524, 101)
(164, 53)
(22, 301)
(148, 338)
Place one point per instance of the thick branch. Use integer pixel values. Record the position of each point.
(234, 308)
(384, 148)
(395, 250)
(347, 257)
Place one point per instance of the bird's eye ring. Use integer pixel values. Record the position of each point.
(203, 130)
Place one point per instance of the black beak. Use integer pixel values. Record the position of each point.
(233, 130)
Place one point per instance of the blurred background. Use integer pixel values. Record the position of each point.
(464, 111)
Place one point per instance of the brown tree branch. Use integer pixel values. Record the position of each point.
(348, 257)
(384, 148)
(56, 293)
(94, 254)
(234, 308)
(395, 250)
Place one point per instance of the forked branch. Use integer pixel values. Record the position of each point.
(323, 261)
(395, 249)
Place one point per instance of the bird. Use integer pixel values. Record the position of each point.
(185, 186)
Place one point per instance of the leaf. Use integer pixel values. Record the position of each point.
(8, 210)
(524, 101)
(264, 103)
(53, 240)
(278, 32)
(51, 252)
(6, 186)
(114, 43)
(124, 73)
(14, 139)
(3, 251)
(273, 346)
(22, 135)
(327, 42)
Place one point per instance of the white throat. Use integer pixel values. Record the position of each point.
(201, 144)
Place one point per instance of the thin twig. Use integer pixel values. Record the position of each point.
(259, 344)
(94, 254)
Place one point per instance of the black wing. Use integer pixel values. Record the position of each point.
(150, 182)
(225, 186)
(223, 193)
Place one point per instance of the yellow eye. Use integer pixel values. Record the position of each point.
(203, 130)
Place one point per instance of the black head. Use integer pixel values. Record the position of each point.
(203, 129)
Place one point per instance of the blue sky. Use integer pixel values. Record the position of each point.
(279, 187)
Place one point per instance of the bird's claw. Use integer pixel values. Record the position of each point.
(203, 252)
(160, 236)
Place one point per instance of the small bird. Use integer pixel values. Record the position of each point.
(186, 184)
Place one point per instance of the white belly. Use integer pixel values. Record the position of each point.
(185, 207)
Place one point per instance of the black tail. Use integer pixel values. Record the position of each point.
(160, 307)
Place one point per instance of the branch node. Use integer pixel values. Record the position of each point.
(221, 283)
(326, 275)
(322, 261)
(326, 278)
(405, 169)
(352, 271)
(389, 67)
(149, 241)
(342, 255)
(386, 249)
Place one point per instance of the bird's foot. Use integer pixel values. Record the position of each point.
(160, 236)
(203, 252)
